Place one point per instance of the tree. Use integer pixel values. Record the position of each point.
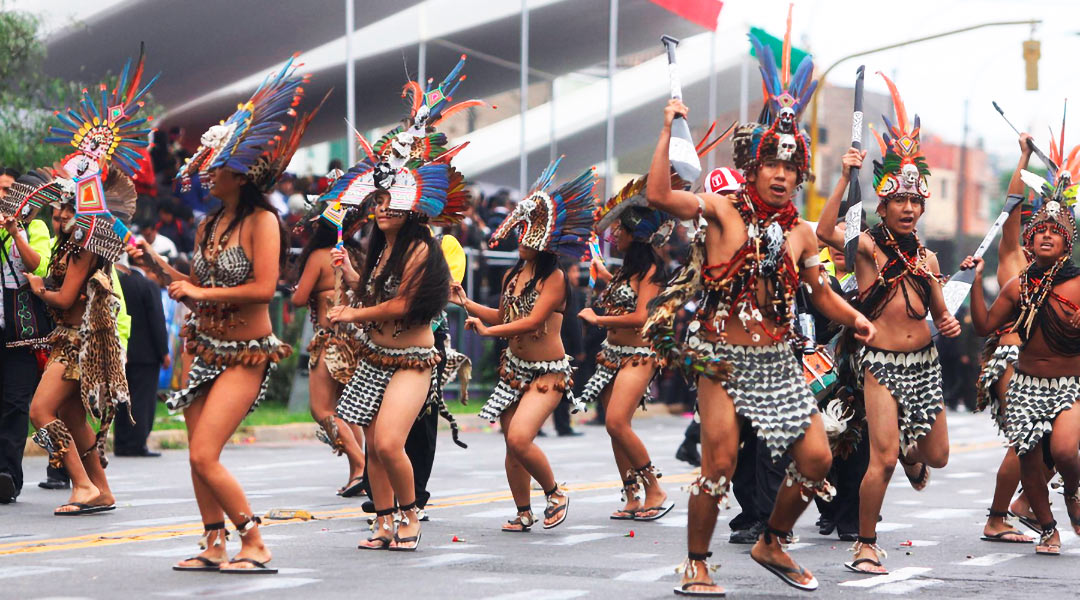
(28, 96)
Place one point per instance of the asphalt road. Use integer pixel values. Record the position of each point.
(127, 553)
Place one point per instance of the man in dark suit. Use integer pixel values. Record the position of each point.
(148, 350)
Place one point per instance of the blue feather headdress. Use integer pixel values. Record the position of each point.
(558, 221)
(250, 142)
(102, 128)
(776, 135)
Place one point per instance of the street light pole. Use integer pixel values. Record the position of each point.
(812, 204)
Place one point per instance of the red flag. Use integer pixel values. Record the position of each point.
(702, 12)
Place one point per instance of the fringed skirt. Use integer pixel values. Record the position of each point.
(364, 393)
(1032, 404)
(914, 380)
(213, 356)
(768, 389)
(516, 377)
(338, 352)
(992, 371)
(64, 343)
(609, 361)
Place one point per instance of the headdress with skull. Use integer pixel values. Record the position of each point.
(776, 133)
(902, 170)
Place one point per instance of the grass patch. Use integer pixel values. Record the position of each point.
(266, 414)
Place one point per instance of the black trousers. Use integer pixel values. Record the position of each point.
(846, 475)
(756, 481)
(143, 384)
(19, 378)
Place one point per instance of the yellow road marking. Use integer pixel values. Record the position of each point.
(143, 534)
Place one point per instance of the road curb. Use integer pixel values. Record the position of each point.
(171, 439)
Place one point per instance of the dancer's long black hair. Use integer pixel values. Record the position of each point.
(250, 199)
(637, 260)
(546, 263)
(431, 289)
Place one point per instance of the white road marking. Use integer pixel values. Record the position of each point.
(457, 546)
(573, 540)
(8, 572)
(492, 513)
(171, 552)
(540, 595)
(966, 475)
(245, 586)
(868, 581)
(441, 560)
(907, 502)
(491, 580)
(278, 465)
(641, 555)
(969, 492)
(646, 575)
(290, 490)
(159, 521)
(587, 527)
(154, 501)
(906, 587)
(886, 526)
(989, 560)
(945, 513)
(798, 546)
(923, 543)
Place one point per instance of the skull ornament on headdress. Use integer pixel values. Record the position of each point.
(902, 170)
(557, 221)
(252, 141)
(1058, 203)
(416, 141)
(776, 135)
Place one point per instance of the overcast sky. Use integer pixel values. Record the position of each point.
(934, 78)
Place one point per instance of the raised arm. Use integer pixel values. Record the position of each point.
(827, 231)
(552, 295)
(1011, 259)
(682, 204)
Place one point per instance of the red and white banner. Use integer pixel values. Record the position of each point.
(702, 12)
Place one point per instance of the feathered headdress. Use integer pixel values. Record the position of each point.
(776, 135)
(558, 221)
(424, 189)
(416, 141)
(102, 128)
(100, 211)
(902, 169)
(32, 191)
(252, 140)
(1058, 202)
(1068, 164)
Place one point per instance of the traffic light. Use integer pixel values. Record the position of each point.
(1031, 64)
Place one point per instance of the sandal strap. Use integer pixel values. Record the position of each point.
(554, 490)
(245, 527)
(997, 514)
(386, 512)
(784, 537)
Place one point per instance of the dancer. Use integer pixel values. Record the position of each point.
(84, 374)
(534, 372)
(999, 357)
(744, 260)
(406, 283)
(238, 255)
(899, 282)
(626, 365)
(1042, 303)
(332, 351)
